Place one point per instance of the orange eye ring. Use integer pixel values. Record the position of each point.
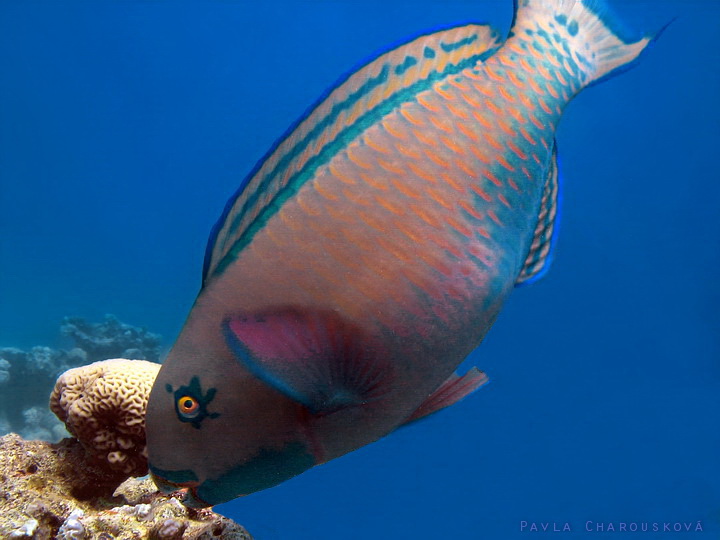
(188, 406)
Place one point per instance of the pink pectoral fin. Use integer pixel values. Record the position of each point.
(450, 392)
(314, 358)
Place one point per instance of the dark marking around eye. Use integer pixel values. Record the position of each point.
(187, 396)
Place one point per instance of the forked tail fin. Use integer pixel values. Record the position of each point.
(587, 30)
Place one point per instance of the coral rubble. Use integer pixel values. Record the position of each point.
(53, 491)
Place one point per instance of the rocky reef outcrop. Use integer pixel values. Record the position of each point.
(52, 491)
(27, 376)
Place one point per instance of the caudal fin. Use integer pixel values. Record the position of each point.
(587, 29)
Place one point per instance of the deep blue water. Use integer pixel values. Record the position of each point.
(125, 126)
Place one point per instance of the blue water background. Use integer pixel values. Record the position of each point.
(124, 127)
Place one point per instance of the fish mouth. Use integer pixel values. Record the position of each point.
(169, 481)
(185, 481)
(191, 499)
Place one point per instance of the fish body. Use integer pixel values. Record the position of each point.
(371, 250)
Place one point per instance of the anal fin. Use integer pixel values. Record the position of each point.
(450, 392)
(540, 254)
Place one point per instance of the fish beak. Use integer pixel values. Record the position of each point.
(191, 500)
(164, 486)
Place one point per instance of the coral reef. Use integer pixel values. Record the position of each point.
(103, 405)
(27, 377)
(52, 491)
(112, 339)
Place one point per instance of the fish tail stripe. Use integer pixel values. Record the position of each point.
(344, 112)
(579, 34)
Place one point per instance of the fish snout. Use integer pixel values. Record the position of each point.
(165, 487)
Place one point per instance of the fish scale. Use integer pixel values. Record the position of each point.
(371, 249)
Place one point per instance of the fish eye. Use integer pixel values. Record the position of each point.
(188, 406)
(191, 403)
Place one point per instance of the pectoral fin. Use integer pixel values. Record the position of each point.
(314, 358)
(450, 392)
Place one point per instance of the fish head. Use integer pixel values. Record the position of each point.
(217, 431)
(262, 397)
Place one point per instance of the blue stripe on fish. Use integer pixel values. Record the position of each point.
(213, 258)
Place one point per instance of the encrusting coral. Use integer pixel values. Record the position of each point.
(51, 491)
(103, 405)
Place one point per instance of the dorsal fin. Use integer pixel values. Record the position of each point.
(539, 257)
(339, 116)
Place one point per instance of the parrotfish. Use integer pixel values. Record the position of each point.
(371, 249)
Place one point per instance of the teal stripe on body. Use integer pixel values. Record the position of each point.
(333, 147)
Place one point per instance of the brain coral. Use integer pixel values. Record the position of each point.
(103, 405)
